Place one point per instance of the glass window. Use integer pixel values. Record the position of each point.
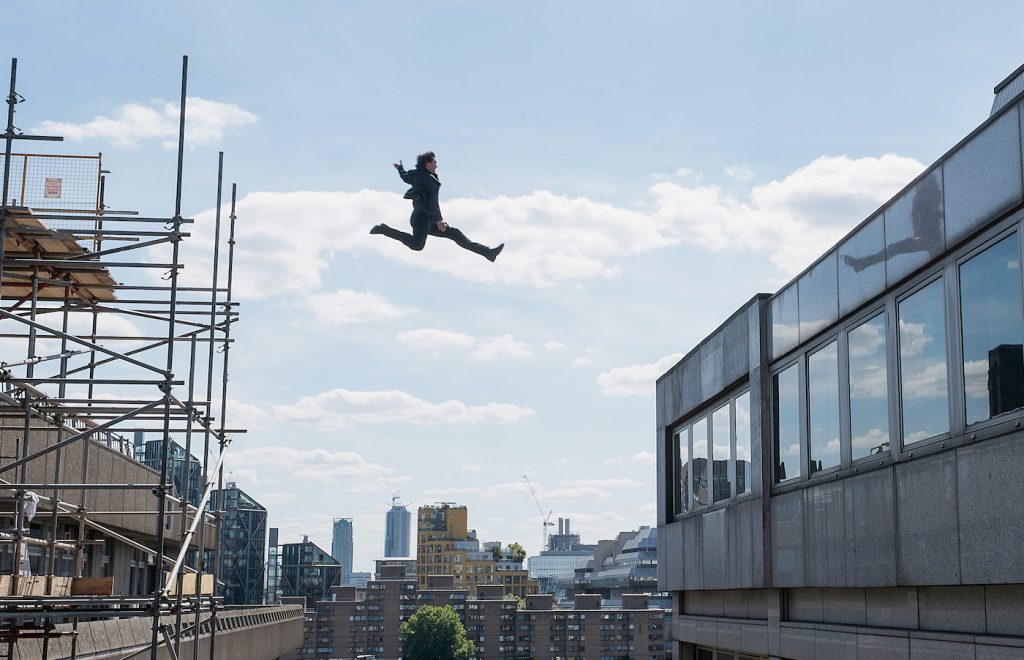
(823, 407)
(869, 389)
(721, 443)
(742, 474)
(786, 417)
(819, 297)
(700, 463)
(990, 308)
(785, 321)
(923, 380)
(682, 440)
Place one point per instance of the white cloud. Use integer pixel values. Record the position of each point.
(873, 438)
(471, 467)
(206, 121)
(552, 239)
(314, 464)
(741, 173)
(432, 338)
(611, 482)
(343, 306)
(499, 347)
(339, 408)
(554, 346)
(926, 381)
(582, 361)
(645, 457)
(635, 380)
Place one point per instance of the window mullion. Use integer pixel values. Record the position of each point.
(845, 448)
(954, 350)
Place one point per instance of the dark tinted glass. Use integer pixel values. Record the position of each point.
(721, 444)
(742, 474)
(990, 308)
(786, 420)
(682, 440)
(823, 407)
(869, 389)
(923, 381)
(700, 464)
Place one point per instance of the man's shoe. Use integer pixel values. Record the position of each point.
(493, 253)
(379, 229)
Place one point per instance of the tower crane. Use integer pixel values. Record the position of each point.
(394, 493)
(546, 519)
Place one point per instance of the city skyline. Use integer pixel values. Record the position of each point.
(714, 152)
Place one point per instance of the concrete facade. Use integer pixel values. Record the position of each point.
(908, 545)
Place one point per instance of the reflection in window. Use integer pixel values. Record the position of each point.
(682, 440)
(869, 389)
(700, 463)
(786, 417)
(923, 381)
(720, 450)
(990, 307)
(742, 473)
(823, 407)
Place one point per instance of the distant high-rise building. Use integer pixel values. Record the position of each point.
(243, 534)
(341, 547)
(446, 546)
(184, 475)
(555, 567)
(273, 567)
(396, 535)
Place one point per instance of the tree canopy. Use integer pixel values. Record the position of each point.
(436, 633)
(517, 551)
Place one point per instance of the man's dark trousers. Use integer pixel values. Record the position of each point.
(424, 224)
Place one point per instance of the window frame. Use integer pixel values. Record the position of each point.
(685, 427)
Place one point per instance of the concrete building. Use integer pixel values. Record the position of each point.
(397, 525)
(341, 546)
(243, 535)
(307, 572)
(446, 546)
(837, 462)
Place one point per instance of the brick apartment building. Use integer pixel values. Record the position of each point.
(356, 622)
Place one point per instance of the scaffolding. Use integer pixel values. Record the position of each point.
(100, 359)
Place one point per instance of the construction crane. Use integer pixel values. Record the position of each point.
(546, 519)
(394, 493)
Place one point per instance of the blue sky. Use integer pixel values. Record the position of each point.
(649, 169)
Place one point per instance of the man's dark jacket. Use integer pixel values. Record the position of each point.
(423, 192)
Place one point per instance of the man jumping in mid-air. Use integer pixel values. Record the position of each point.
(426, 211)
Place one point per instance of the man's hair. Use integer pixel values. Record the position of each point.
(424, 158)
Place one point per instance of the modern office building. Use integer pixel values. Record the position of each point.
(307, 571)
(243, 536)
(398, 523)
(627, 564)
(273, 567)
(446, 546)
(837, 462)
(555, 566)
(185, 475)
(341, 546)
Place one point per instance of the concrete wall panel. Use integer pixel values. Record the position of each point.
(927, 521)
(882, 647)
(991, 528)
(1004, 609)
(692, 556)
(844, 606)
(892, 607)
(712, 367)
(715, 546)
(691, 383)
(952, 609)
(825, 534)
(787, 540)
(736, 356)
(870, 529)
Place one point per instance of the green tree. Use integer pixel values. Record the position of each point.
(521, 602)
(517, 551)
(436, 633)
